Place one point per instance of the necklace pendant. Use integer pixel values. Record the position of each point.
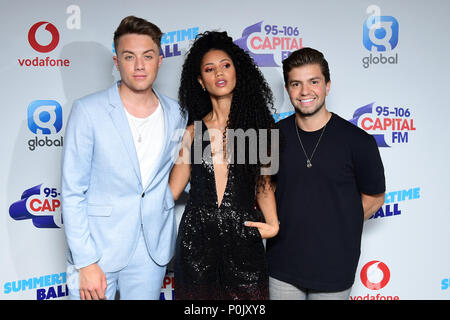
(308, 164)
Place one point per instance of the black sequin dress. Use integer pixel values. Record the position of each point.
(217, 256)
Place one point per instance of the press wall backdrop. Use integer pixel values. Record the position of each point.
(389, 63)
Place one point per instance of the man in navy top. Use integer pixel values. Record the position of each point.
(331, 179)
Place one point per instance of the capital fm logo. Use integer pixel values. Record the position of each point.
(167, 288)
(45, 120)
(43, 37)
(380, 38)
(270, 44)
(389, 125)
(375, 275)
(40, 204)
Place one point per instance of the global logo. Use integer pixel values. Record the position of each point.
(270, 44)
(375, 275)
(380, 35)
(44, 117)
(39, 204)
(388, 125)
(54, 37)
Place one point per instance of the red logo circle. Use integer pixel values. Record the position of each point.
(371, 270)
(32, 37)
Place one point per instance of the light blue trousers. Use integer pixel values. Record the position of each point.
(141, 279)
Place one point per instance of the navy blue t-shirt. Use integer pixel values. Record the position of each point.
(319, 208)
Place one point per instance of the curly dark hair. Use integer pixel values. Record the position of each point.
(252, 100)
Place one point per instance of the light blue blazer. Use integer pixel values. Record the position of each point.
(104, 202)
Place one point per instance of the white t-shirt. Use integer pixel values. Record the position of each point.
(148, 135)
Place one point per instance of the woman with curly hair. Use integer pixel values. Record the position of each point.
(219, 250)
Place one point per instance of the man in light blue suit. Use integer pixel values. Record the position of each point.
(120, 145)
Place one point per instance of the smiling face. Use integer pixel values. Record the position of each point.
(307, 89)
(217, 73)
(138, 61)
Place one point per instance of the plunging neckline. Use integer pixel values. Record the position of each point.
(214, 172)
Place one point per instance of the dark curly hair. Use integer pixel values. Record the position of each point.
(252, 100)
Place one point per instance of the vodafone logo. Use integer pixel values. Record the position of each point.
(375, 275)
(36, 36)
(36, 45)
